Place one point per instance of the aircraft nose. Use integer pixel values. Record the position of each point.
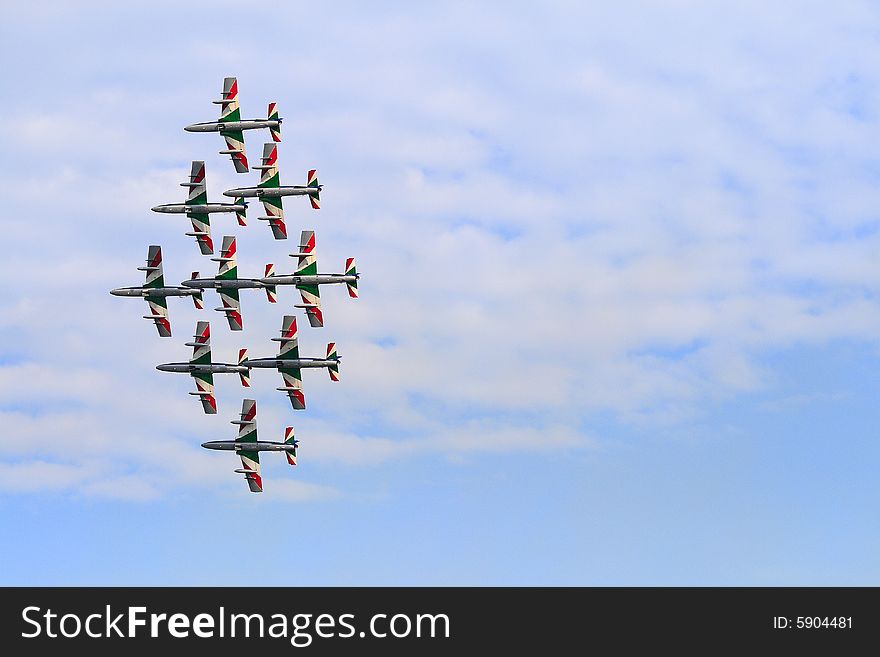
(117, 292)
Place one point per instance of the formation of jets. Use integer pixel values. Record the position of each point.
(227, 284)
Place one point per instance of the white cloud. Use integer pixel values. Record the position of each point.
(32, 476)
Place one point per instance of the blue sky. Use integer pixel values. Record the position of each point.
(619, 298)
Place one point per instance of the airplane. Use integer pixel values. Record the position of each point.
(202, 369)
(232, 128)
(289, 363)
(228, 284)
(155, 292)
(248, 447)
(199, 210)
(270, 191)
(307, 279)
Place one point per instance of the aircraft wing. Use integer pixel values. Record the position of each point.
(247, 433)
(288, 349)
(275, 216)
(196, 197)
(232, 307)
(201, 230)
(288, 344)
(269, 179)
(311, 300)
(202, 356)
(229, 111)
(235, 146)
(159, 315)
(308, 266)
(153, 268)
(205, 391)
(229, 272)
(293, 386)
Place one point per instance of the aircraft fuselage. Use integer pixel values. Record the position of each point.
(206, 208)
(257, 446)
(302, 363)
(247, 124)
(284, 190)
(193, 368)
(317, 279)
(220, 283)
(154, 292)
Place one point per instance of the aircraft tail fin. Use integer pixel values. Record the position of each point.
(273, 116)
(244, 376)
(315, 194)
(333, 370)
(241, 214)
(351, 270)
(198, 299)
(271, 290)
(289, 439)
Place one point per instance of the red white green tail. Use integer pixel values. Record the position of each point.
(351, 270)
(289, 439)
(315, 193)
(273, 116)
(241, 215)
(271, 290)
(244, 376)
(333, 370)
(198, 299)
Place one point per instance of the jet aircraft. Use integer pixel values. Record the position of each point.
(270, 191)
(155, 292)
(289, 363)
(232, 127)
(199, 210)
(228, 284)
(306, 279)
(248, 447)
(202, 369)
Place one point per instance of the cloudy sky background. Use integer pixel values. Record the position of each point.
(619, 309)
